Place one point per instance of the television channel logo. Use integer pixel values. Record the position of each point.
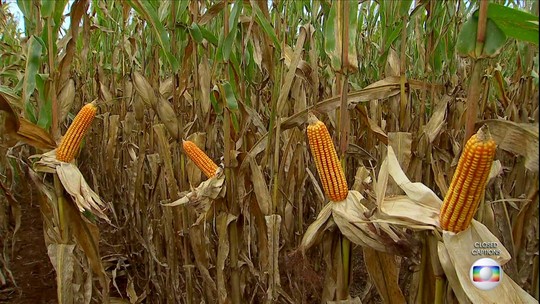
(486, 274)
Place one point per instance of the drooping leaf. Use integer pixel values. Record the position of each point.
(195, 32)
(227, 91)
(149, 13)
(494, 40)
(267, 28)
(514, 22)
(47, 8)
(33, 61)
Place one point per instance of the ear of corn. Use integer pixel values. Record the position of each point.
(326, 160)
(71, 141)
(469, 182)
(207, 166)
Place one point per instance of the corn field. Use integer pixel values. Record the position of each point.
(235, 151)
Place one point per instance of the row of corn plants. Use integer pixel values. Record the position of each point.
(287, 151)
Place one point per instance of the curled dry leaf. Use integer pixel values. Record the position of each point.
(418, 209)
(350, 216)
(315, 231)
(20, 129)
(75, 184)
(166, 88)
(166, 114)
(144, 89)
(63, 260)
(518, 138)
(202, 197)
(73, 181)
(66, 98)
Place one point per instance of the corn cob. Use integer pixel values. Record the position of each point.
(71, 141)
(207, 166)
(326, 160)
(469, 182)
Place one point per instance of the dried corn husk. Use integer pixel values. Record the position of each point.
(144, 89)
(66, 98)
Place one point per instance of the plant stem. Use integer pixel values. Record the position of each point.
(481, 32)
(473, 97)
(60, 205)
(439, 289)
(343, 291)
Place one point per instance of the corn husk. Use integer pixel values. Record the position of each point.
(73, 182)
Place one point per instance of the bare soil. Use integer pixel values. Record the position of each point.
(30, 264)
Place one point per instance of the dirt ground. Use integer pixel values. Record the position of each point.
(30, 264)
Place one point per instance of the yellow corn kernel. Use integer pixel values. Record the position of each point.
(326, 160)
(469, 182)
(207, 166)
(69, 146)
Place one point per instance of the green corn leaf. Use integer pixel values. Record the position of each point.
(267, 28)
(226, 90)
(195, 33)
(466, 42)
(206, 34)
(47, 8)
(45, 108)
(233, 26)
(514, 23)
(149, 13)
(404, 7)
(33, 61)
(495, 39)
(332, 43)
(333, 36)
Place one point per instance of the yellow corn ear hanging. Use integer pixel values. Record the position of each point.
(207, 166)
(69, 146)
(469, 182)
(326, 160)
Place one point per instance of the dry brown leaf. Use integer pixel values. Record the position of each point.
(205, 83)
(289, 77)
(392, 63)
(383, 271)
(144, 89)
(518, 138)
(223, 221)
(349, 217)
(199, 243)
(401, 142)
(21, 129)
(166, 88)
(75, 184)
(202, 197)
(106, 94)
(451, 274)
(63, 261)
(260, 188)
(379, 132)
(437, 121)
(316, 230)
(66, 97)
(167, 115)
(420, 206)
(87, 236)
(273, 224)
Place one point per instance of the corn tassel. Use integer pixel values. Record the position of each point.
(71, 141)
(207, 166)
(469, 182)
(326, 160)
